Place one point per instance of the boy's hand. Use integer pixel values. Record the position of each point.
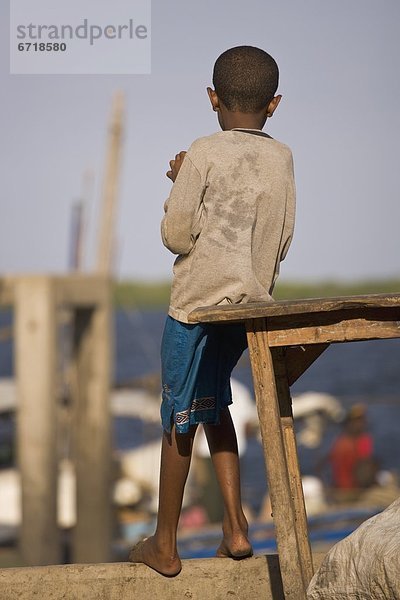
(175, 165)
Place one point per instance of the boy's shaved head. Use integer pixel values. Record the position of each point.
(245, 78)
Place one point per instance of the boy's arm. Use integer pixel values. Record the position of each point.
(287, 194)
(290, 210)
(182, 221)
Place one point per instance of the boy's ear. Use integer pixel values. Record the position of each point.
(212, 94)
(273, 105)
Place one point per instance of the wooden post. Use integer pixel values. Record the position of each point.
(284, 513)
(106, 242)
(35, 353)
(92, 435)
(289, 439)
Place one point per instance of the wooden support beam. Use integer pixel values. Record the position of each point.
(92, 433)
(299, 358)
(76, 289)
(82, 290)
(35, 354)
(289, 438)
(325, 328)
(284, 512)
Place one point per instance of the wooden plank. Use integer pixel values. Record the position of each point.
(76, 289)
(35, 353)
(254, 310)
(284, 332)
(82, 290)
(292, 461)
(299, 358)
(275, 460)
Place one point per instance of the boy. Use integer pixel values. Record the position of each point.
(229, 218)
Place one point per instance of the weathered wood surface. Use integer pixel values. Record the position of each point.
(284, 339)
(292, 462)
(254, 310)
(283, 504)
(339, 326)
(299, 358)
(316, 321)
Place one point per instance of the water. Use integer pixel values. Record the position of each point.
(353, 372)
(359, 369)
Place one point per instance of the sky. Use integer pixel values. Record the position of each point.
(339, 65)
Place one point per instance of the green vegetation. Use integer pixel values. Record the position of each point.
(289, 290)
(139, 294)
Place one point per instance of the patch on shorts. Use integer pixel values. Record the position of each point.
(198, 405)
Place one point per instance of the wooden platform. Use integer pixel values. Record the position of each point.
(284, 339)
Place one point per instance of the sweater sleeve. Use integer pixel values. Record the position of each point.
(290, 211)
(183, 217)
(288, 198)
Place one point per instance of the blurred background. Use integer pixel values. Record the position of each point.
(63, 145)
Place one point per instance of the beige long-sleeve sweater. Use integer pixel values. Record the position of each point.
(230, 219)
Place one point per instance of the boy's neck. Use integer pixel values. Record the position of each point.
(235, 119)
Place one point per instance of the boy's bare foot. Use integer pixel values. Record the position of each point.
(147, 552)
(236, 545)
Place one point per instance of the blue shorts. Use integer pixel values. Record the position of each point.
(196, 366)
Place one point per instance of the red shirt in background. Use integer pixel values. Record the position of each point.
(345, 455)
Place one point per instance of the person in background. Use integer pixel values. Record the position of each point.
(352, 457)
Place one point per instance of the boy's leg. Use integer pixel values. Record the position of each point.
(224, 453)
(160, 551)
